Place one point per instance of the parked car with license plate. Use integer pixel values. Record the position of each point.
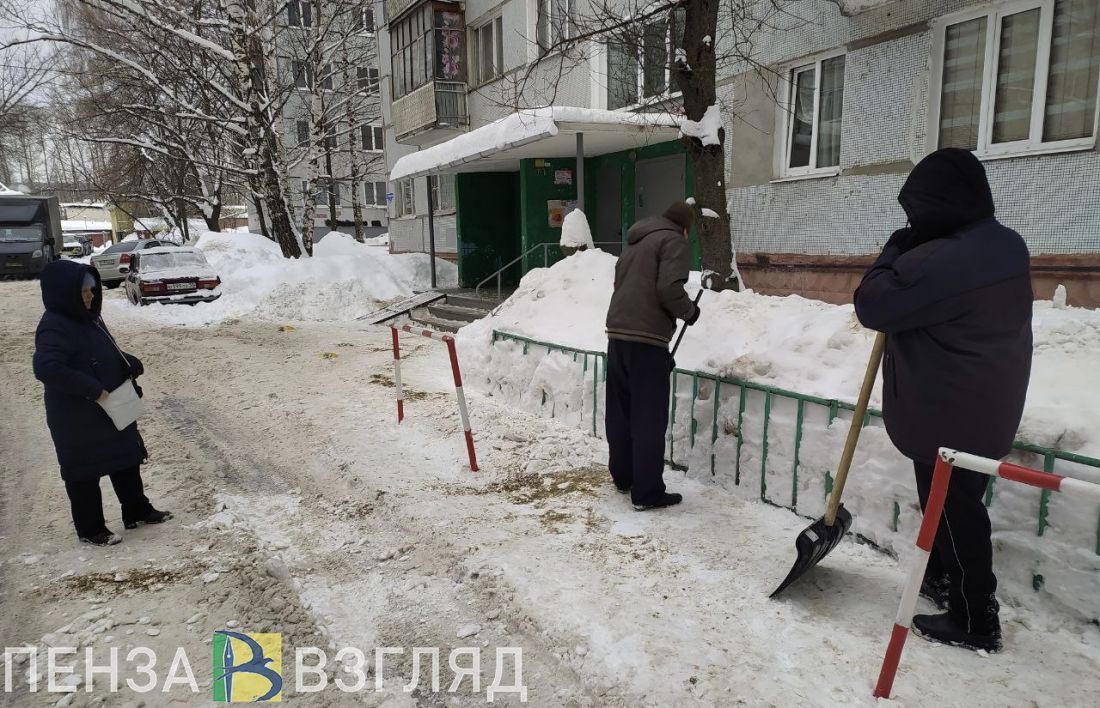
(171, 275)
(114, 263)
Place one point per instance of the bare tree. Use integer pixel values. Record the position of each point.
(199, 74)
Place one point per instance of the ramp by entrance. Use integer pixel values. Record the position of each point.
(403, 307)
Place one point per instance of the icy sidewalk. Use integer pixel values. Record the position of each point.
(672, 606)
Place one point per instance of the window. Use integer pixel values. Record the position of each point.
(366, 18)
(557, 21)
(813, 114)
(374, 138)
(488, 51)
(1020, 78)
(303, 74)
(412, 49)
(404, 203)
(332, 141)
(303, 132)
(443, 193)
(374, 193)
(643, 69)
(299, 13)
(428, 45)
(367, 79)
(326, 77)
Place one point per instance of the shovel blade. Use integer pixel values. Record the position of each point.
(814, 543)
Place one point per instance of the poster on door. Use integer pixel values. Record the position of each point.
(556, 209)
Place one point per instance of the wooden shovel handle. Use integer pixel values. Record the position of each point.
(855, 428)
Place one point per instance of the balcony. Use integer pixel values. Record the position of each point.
(438, 108)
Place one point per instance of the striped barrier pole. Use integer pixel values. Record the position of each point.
(947, 460)
(461, 401)
(397, 375)
(455, 371)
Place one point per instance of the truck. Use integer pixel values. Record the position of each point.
(30, 233)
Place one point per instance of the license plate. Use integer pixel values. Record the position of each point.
(181, 286)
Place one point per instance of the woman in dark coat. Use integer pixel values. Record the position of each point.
(79, 363)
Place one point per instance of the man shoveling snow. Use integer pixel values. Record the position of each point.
(649, 297)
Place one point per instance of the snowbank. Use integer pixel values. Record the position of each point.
(817, 349)
(343, 280)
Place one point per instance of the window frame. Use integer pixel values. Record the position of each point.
(545, 9)
(404, 197)
(1034, 143)
(786, 114)
(307, 79)
(371, 195)
(375, 131)
(305, 14)
(473, 62)
(371, 84)
(671, 92)
(363, 25)
(437, 192)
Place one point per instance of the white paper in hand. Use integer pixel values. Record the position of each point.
(123, 405)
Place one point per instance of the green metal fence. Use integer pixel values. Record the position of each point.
(596, 361)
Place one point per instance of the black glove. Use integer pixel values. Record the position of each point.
(694, 317)
(136, 367)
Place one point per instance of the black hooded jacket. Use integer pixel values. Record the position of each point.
(953, 294)
(76, 359)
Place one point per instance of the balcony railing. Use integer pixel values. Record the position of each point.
(436, 105)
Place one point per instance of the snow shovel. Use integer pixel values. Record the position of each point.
(679, 337)
(823, 535)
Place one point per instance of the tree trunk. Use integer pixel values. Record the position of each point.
(247, 44)
(697, 81)
(353, 149)
(258, 205)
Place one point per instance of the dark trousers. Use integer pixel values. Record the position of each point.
(963, 549)
(87, 501)
(637, 417)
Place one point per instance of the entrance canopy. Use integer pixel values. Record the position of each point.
(539, 133)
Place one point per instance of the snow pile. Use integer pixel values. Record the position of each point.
(575, 232)
(705, 130)
(818, 349)
(343, 280)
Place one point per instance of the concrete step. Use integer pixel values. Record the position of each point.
(424, 318)
(455, 313)
(473, 302)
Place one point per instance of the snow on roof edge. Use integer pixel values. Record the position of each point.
(515, 130)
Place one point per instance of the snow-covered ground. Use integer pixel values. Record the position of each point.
(821, 350)
(302, 508)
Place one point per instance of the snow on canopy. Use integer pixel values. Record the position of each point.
(516, 130)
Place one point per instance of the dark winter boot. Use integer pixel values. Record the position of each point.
(622, 490)
(982, 632)
(665, 500)
(103, 538)
(937, 589)
(154, 517)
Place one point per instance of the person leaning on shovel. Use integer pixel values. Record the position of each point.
(649, 297)
(952, 292)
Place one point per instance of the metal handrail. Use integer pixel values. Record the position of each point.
(545, 262)
(834, 406)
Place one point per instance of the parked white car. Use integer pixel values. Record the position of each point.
(114, 263)
(171, 275)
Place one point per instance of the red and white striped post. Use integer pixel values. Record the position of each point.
(948, 459)
(452, 351)
(397, 375)
(461, 401)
